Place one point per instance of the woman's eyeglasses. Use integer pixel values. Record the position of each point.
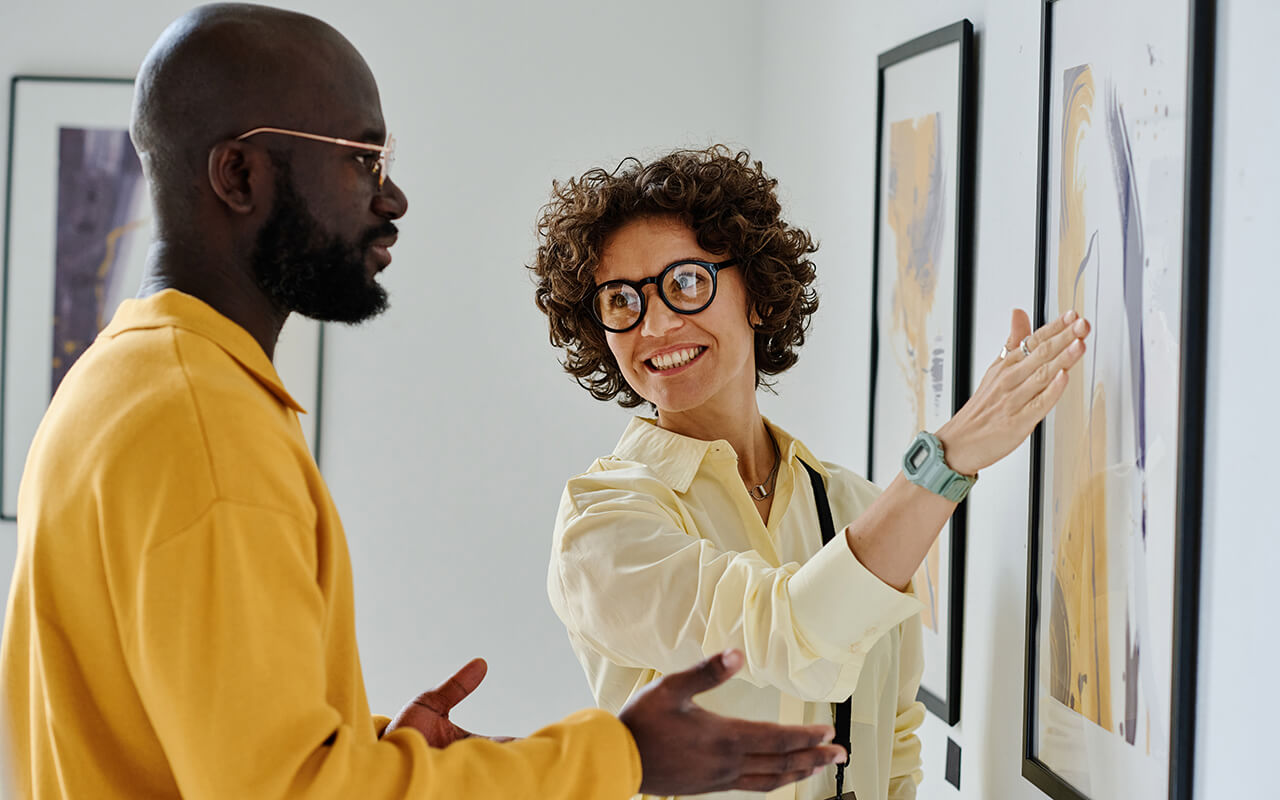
(687, 287)
(380, 168)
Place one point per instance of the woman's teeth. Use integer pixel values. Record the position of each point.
(675, 359)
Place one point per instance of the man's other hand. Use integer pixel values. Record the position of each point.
(685, 749)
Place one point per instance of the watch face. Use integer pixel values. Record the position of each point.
(918, 456)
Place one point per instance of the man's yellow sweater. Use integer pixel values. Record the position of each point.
(181, 618)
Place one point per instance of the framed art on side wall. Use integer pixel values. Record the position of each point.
(920, 307)
(1114, 537)
(78, 226)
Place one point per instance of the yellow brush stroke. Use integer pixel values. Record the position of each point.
(914, 156)
(1080, 663)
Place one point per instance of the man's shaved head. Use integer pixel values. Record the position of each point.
(275, 223)
(223, 69)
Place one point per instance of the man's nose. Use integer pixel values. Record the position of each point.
(390, 201)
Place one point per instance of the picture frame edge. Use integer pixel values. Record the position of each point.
(1189, 521)
(1193, 346)
(962, 32)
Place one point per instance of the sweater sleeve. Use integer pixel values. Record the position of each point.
(226, 642)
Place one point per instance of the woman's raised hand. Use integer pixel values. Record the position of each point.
(1018, 390)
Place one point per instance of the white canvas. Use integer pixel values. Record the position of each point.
(1113, 252)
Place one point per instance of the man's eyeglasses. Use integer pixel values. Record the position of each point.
(687, 287)
(380, 168)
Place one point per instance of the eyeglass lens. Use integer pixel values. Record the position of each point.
(686, 286)
(383, 167)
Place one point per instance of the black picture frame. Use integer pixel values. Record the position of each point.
(1192, 350)
(941, 698)
(50, 116)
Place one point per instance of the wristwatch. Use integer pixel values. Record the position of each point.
(924, 465)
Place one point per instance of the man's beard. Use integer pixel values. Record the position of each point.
(307, 271)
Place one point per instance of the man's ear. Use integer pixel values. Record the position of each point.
(234, 170)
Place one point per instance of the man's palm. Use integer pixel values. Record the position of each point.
(428, 713)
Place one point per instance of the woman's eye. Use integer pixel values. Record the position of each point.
(689, 281)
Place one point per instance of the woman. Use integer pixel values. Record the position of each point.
(677, 283)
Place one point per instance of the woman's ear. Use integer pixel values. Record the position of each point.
(754, 317)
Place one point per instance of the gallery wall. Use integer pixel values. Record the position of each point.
(1238, 646)
(816, 131)
(449, 428)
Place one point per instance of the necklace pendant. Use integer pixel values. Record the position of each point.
(758, 493)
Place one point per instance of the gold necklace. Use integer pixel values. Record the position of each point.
(760, 492)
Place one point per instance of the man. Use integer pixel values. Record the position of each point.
(181, 620)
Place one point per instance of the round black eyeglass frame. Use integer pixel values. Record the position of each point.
(656, 280)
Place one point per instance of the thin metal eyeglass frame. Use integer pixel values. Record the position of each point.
(386, 152)
(656, 280)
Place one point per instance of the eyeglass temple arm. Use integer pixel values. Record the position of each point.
(316, 137)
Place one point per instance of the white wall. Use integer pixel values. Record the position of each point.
(449, 426)
(1239, 648)
(816, 130)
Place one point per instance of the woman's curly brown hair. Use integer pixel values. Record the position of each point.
(726, 200)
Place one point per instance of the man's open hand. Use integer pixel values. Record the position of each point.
(685, 749)
(428, 713)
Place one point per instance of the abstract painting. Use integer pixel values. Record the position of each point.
(103, 214)
(1109, 466)
(920, 328)
(78, 226)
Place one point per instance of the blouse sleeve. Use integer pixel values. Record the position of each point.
(629, 578)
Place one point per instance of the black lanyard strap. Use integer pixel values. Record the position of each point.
(844, 709)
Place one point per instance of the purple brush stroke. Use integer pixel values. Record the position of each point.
(1131, 232)
(98, 176)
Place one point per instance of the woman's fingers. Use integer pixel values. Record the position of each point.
(1046, 345)
(1016, 393)
(1019, 328)
(1068, 354)
(1055, 354)
(1020, 331)
(1048, 332)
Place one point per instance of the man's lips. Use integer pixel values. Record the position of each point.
(381, 249)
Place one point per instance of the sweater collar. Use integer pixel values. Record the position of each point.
(174, 309)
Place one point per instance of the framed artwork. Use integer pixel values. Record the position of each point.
(75, 242)
(1114, 540)
(920, 308)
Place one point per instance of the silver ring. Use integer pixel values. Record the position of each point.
(1004, 351)
(1026, 351)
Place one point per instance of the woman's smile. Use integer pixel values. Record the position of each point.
(674, 361)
